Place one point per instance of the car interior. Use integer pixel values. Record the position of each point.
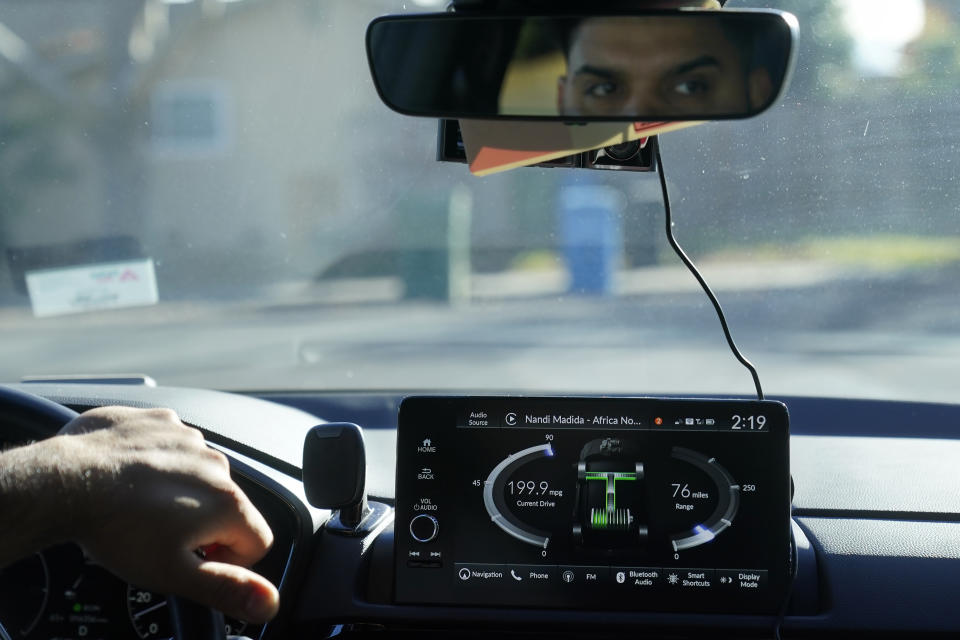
(774, 456)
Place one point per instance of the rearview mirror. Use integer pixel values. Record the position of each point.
(650, 66)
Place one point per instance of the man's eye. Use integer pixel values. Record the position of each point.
(601, 90)
(691, 87)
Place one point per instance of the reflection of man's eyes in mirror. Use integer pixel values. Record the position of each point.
(590, 77)
(601, 94)
(696, 87)
(601, 90)
(695, 80)
(629, 67)
(691, 87)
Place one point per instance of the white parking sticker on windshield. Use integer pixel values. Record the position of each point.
(92, 287)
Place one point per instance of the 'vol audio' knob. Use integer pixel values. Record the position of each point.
(424, 528)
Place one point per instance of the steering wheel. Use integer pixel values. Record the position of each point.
(43, 418)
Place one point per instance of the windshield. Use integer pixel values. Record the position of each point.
(211, 193)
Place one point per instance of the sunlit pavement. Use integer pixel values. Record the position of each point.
(723, 276)
(814, 331)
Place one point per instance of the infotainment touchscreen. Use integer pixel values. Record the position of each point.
(633, 504)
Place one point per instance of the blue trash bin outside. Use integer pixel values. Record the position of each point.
(590, 237)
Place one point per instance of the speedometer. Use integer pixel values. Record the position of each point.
(80, 599)
(150, 615)
(24, 592)
(62, 593)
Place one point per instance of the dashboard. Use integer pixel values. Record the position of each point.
(874, 519)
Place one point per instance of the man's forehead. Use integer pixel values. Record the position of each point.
(613, 38)
(655, 4)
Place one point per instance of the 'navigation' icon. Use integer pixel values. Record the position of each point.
(464, 574)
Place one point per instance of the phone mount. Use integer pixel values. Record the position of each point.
(334, 477)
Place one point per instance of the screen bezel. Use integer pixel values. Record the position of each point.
(442, 412)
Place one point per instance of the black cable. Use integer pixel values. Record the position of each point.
(696, 273)
(788, 596)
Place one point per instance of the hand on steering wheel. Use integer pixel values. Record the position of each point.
(143, 492)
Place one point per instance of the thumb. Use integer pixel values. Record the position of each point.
(237, 592)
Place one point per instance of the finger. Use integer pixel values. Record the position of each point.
(237, 592)
(94, 420)
(246, 534)
(161, 415)
(219, 553)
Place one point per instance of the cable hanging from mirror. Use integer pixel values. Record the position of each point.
(696, 273)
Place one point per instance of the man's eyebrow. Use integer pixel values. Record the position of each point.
(595, 71)
(702, 61)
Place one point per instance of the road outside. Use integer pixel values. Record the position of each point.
(812, 329)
